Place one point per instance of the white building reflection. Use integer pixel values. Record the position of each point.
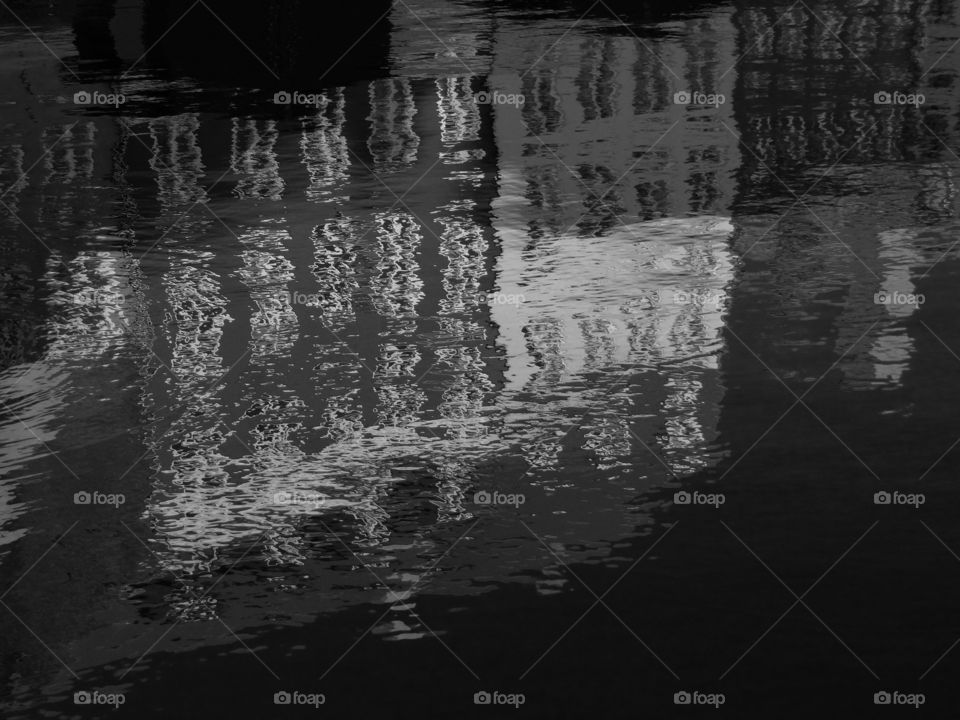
(383, 376)
(842, 248)
(585, 290)
(253, 158)
(324, 149)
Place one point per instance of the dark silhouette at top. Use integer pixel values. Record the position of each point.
(267, 44)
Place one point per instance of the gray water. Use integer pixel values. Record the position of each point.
(374, 398)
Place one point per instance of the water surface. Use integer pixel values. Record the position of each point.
(307, 344)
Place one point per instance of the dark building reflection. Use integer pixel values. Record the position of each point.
(386, 354)
(272, 41)
(812, 119)
(335, 349)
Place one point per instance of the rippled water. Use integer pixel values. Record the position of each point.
(307, 345)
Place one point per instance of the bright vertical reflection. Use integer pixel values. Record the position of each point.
(616, 245)
(253, 158)
(393, 142)
(324, 150)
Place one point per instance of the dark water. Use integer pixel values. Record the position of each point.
(289, 352)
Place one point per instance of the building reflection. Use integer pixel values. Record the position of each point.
(324, 148)
(600, 241)
(253, 158)
(541, 287)
(822, 129)
(536, 302)
(359, 371)
(392, 141)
